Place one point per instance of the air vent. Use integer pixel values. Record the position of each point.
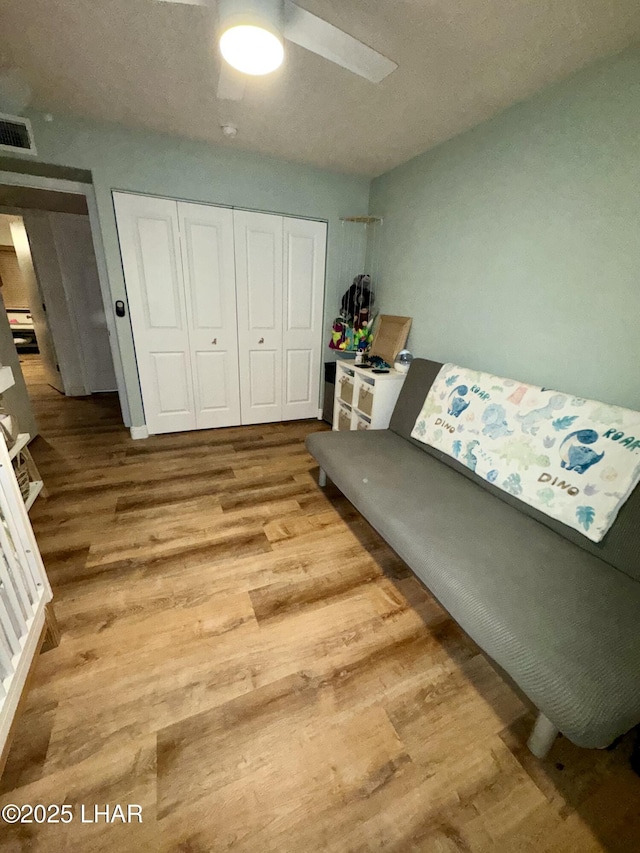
(16, 135)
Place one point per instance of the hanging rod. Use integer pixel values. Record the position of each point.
(364, 220)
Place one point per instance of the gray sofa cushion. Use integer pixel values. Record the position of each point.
(620, 547)
(562, 623)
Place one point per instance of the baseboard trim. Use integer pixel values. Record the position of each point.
(138, 432)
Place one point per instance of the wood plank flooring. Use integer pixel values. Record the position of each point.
(246, 659)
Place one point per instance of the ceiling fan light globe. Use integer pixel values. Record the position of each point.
(251, 49)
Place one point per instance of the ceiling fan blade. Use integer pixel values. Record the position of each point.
(231, 83)
(316, 35)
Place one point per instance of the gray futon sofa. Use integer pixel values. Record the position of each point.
(558, 613)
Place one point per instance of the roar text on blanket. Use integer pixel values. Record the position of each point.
(629, 441)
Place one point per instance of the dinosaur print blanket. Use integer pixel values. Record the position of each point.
(575, 460)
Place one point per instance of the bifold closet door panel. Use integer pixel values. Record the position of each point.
(150, 248)
(208, 265)
(304, 265)
(258, 251)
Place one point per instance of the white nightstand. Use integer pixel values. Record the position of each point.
(364, 400)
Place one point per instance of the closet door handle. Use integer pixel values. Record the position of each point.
(214, 341)
(261, 341)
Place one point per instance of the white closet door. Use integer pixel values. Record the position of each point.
(304, 260)
(206, 233)
(150, 248)
(258, 249)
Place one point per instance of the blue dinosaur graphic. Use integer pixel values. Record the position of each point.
(469, 459)
(575, 456)
(530, 422)
(495, 423)
(458, 404)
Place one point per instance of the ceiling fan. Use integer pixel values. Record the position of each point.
(251, 35)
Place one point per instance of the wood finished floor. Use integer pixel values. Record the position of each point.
(245, 658)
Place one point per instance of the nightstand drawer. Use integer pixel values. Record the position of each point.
(344, 420)
(365, 400)
(346, 390)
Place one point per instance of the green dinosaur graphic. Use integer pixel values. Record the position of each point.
(430, 408)
(522, 453)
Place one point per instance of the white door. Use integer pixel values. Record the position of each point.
(206, 235)
(258, 250)
(303, 298)
(59, 318)
(48, 357)
(74, 245)
(150, 248)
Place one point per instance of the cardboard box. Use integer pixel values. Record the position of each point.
(390, 336)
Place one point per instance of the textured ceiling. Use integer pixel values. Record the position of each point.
(154, 65)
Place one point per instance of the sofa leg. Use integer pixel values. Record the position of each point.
(322, 478)
(542, 737)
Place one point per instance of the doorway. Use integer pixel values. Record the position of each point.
(52, 310)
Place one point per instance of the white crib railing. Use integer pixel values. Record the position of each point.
(24, 592)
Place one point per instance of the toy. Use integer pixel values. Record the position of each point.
(349, 338)
(338, 337)
(357, 302)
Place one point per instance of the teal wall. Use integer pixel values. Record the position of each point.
(516, 246)
(125, 159)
